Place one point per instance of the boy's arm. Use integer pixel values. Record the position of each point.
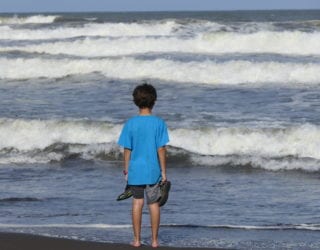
(126, 156)
(163, 162)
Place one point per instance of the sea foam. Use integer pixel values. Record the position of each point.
(26, 135)
(209, 72)
(284, 43)
(35, 19)
(89, 30)
(289, 148)
(300, 141)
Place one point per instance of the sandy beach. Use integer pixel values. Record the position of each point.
(16, 241)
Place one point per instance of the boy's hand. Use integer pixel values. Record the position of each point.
(126, 156)
(162, 160)
(125, 173)
(163, 178)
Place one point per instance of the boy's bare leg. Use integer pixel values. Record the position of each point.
(137, 205)
(155, 222)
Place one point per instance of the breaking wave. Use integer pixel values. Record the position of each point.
(35, 19)
(26, 135)
(89, 30)
(42, 141)
(286, 43)
(208, 72)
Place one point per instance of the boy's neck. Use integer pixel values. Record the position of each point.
(145, 111)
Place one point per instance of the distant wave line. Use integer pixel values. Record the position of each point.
(311, 227)
(308, 227)
(33, 19)
(97, 226)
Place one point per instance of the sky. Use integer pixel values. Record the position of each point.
(15, 6)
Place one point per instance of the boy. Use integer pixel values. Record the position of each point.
(144, 138)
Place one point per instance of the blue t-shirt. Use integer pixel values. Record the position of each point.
(144, 135)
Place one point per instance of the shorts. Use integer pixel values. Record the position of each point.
(153, 192)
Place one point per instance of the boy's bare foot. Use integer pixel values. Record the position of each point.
(155, 244)
(136, 244)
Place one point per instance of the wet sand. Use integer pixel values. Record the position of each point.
(17, 241)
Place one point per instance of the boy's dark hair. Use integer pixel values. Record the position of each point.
(144, 96)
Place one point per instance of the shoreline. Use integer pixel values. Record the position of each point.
(21, 241)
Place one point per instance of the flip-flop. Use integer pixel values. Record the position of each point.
(164, 189)
(126, 194)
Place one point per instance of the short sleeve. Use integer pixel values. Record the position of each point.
(125, 137)
(163, 137)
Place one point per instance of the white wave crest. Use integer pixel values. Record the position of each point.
(36, 141)
(27, 135)
(30, 158)
(28, 19)
(104, 30)
(301, 141)
(208, 72)
(287, 43)
(272, 164)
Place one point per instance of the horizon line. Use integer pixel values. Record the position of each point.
(146, 11)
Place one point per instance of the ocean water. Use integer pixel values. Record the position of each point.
(240, 92)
